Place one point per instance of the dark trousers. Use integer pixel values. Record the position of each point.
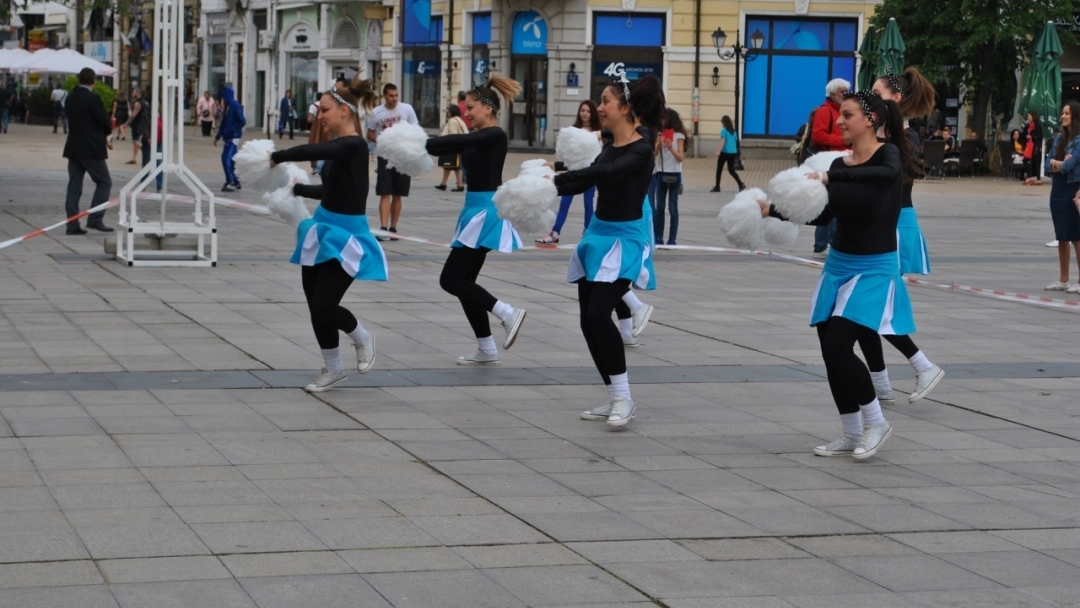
(207, 126)
(458, 279)
(870, 344)
(228, 151)
(99, 173)
(324, 286)
(282, 123)
(729, 160)
(849, 380)
(59, 115)
(597, 301)
(667, 199)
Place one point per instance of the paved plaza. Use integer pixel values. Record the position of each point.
(156, 449)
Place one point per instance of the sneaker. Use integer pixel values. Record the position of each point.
(228, 188)
(1052, 244)
(512, 325)
(641, 318)
(821, 255)
(715, 189)
(326, 381)
(886, 398)
(622, 411)
(601, 413)
(844, 446)
(1058, 286)
(925, 382)
(236, 185)
(671, 242)
(873, 437)
(630, 342)
(365, 355)
(394, 230)
(1074, 288)
(380, 237)
(479, 358)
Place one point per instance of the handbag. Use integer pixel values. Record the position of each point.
(449, 161)
(669, 178)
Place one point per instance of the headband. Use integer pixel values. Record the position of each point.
(491, 102)
(626, 93)
(865, 96)
(894, 80)
(333, 92)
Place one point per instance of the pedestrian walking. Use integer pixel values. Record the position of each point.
(1063, 162)
(1032, 139)
(479, 227)
(59, 114)
(286, 114)
(139, 123)
(588, 120)
(672, 150)
(727, 153)
(231, 130)
(825, 137)
(462, 110)
(86, 149)
(451, 163)
(7, 99)
(204, 110)
(120, 112)
(390, 185)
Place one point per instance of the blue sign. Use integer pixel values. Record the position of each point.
(481, 28)
(629, 30)
(529, 35)
(424, 68)
(614, 70)
(480, 67)
(417, 20)
(571, 80)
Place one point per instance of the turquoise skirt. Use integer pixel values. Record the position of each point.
(864, 289)
(648, 235)
(610, 251)
(479, 226)
(910, 244)
(329, 236)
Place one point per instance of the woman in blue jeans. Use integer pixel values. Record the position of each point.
(671, 150)
(587, 119)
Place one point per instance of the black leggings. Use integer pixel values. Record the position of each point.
(324, 285)
(597, 300)
(849, 380)
(458, 279)
(730, 160)
(622, 311)
(870, 344)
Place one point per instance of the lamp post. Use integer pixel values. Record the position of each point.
(736, 52)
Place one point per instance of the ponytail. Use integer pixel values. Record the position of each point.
(894, 134)
(917, 95)
(497, 85)
(647, 102)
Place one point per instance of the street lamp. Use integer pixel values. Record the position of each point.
(736, 52)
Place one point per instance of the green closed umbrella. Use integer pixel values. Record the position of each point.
(868, 69)
(1042, 84)
(891, 49)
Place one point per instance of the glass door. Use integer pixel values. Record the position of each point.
(528, 113)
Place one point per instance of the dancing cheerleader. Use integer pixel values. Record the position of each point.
(335, 246)
(612, 255)
(860, 290)
(915, 96)
(479, 227)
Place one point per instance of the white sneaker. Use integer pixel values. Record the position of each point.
(1058, 286)
(1052, 244)
(512, 325)
(873, 437)
(821, 255)
(479, 358)
(1074, 288)
(886, 398)
(925, 382)
(630, 342)
(622, 411)
(844, 446)
(600, 413)
(641, 319)
(365, 355)
(326, 381)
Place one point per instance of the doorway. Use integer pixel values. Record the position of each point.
(528, 112)
(260, 100)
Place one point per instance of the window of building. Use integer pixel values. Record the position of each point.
(787, 79)
(421, 67)
(346, 36)
(626, 43)
(259, 19)
(481, 53)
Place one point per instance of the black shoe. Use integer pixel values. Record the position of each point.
(394, 230)
(742, 187)
(236, 185)
(716, 189)
(461, 189)
(228, 188)
(381, 237)
(441, 187)
(76, 230)
(100, 227)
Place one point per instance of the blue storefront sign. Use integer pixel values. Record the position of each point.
(480, 68)
(417, 22)
(423, 68)
(530, 34)
(614, 70)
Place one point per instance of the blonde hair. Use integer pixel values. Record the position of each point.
(360, 93)
(496, 86)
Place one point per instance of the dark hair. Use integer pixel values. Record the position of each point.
(726, 121)
(388, 87)
(647, 101)
(461, 95)
(453, 110)
(359, 93)
(1015, 132)
(488, 94)
(594, 118)
(87, 76)
(1070, 131)
(918, 95)
(888, 115)
(1034, 118)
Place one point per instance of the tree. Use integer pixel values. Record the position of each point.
(976, 44)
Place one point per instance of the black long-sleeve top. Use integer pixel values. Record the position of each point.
(621, 175)
(865, 200)
(344, 186)
(483, 153)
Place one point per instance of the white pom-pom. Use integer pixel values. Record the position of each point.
(403, 145)
(253, 161)
(779, 232)
(797, 197)
(576, 148)
(287, 174)
(537, 167)
(822, 160)
(741, 222)
(291, 208)
(526, 201)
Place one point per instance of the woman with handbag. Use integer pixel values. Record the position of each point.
(588, 120)
(204, 110)
(1032, 139)
(452, 162)
(670, 154)
(728, 153)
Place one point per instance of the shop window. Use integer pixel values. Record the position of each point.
(346, 36)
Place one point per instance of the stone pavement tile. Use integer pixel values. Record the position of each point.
(538, 448)
(392, 487)
(242, 423)
(877, 600)
(736, 500)
(442, 589)
(1016, 568)
(877, 476)
(81, 477)
(789, 478)
(562, 585)
(39, 398)
(158, 569)
(607, 444)
(525, 485)
(15, 459)
(623, 503)
(31, 498)
(1062, 596)
(90, 518)
(211, 493)
(997, 515)
(1041, 540)
(609, 483)
(303, 563)
(698, 523)
(588, 526)
(41, 545)
(728, 602)
(311, 490)
(1059, 474)
(55, 574)
(951, 440)
(232, 513)
(898, 518)
(182, 594)
(634, 551)
(257, 537)
(465, 449)
(938, 494)
(662, 463)
(38, 412)
(690, 481)
(977, 598)
(437, 505)
(851, 546)
(19, 479)
(34, 520)
(838, 498)
(123, 425)
(370, 533)
(107, 496)
(549, 504)
(278, 450)
(175, 456)
(91, 596)
(329, 591)
(903, 573)
(956, 542)
(1014, 455)
(79, 458)
(141, 540)
(194, 473)
(735, 549)
(338, 509)
(572, 465)
(481, 467)
(973, 474)
(313, 422)
(413, 559)
(498, 529)
(794, 521)
(516, 556)
(148, 408)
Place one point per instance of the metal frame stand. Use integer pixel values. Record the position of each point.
(165, 102)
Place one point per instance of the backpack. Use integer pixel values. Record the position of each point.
(806, 146)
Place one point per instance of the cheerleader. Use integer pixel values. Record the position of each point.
(479, 228)
(335, 246)
(860, 290)
(613, 253)
(915, 96)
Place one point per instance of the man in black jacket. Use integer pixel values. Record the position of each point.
(89, 135)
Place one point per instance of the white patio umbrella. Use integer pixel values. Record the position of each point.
(9, 57)
(68, 61)
(18, 64)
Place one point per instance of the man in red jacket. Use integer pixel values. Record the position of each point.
(825, 137)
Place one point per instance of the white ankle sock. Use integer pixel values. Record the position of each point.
(852, 424)
(487, 345)
(881, 381)
(502, 310)
(610, 391)
(920, 362)
(632, 301)
(871, 413)
(620, 385)
(332, 359)
(359, 335)
(626, 327)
